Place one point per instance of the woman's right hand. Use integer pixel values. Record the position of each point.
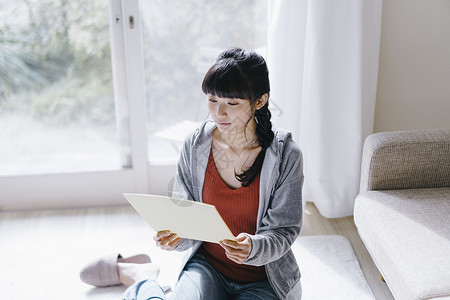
(167, 240)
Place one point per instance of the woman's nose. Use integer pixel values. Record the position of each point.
(221, 109)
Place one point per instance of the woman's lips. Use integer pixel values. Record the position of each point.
(223, 124)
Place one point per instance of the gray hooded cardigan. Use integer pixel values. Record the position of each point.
(280, 206)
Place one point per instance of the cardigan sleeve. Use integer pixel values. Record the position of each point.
(282, 222)
(183, 185)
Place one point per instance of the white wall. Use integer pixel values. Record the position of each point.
(414, 72)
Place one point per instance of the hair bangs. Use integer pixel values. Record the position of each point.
(225, 80)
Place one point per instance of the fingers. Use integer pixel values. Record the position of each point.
(238, 250)
(238, 258)
(228, 244)
(161, 234)
(173, 244)
(242, 242)
(241, 237)
(167, 240)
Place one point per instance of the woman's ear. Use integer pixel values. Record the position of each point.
(261, 101)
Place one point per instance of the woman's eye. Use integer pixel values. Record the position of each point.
(212, 100)
(233, 103)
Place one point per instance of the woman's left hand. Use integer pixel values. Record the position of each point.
(238, 250)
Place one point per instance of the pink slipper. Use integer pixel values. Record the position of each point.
(103, 271)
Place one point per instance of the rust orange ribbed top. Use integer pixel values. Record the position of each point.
(239, 209)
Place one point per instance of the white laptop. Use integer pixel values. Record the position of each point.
(186, 218)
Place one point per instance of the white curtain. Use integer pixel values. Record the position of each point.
(323, 63)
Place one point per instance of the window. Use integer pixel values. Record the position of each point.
(181, 41)
(57, 109)
(96, 96)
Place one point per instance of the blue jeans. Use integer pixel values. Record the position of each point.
(199, 280)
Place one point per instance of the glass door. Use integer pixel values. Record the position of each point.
(57, 110)
(97, 96)
(181, 41)
(65, 114)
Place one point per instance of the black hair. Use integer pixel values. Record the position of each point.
(242, 74)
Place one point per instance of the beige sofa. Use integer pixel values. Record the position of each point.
(403, 210)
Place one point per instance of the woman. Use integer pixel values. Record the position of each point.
(253, 175)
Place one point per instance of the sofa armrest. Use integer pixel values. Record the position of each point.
(406, 159)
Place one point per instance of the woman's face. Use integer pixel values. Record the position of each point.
(230, 115)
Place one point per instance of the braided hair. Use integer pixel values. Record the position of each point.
(242, 74)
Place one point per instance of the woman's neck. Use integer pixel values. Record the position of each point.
(238, 140)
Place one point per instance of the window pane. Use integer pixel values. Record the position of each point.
(56, 96)
(181, 41)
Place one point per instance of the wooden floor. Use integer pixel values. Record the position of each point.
(315, 224)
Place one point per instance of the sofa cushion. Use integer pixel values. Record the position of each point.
(407, 233)
(406, 160)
